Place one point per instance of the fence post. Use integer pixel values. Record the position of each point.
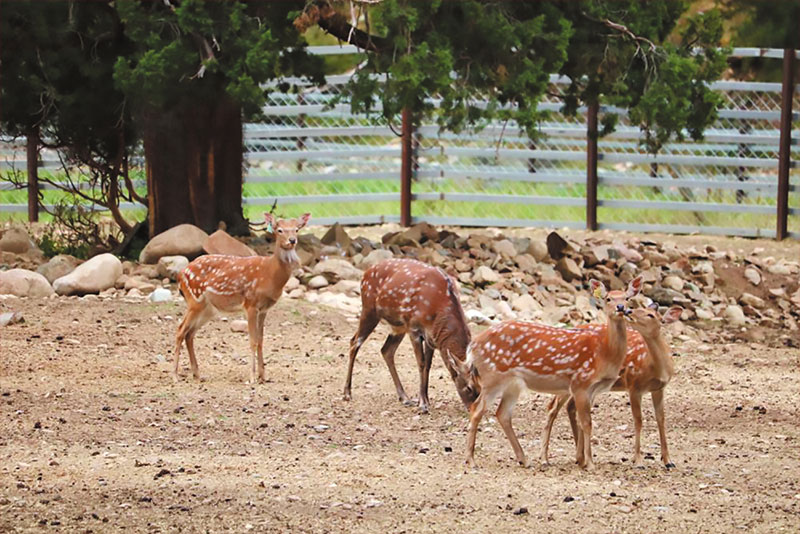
(785, 154)
(32, 156)
(406, 168)
(591, 165)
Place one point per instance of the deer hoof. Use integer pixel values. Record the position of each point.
(669, 465)
(346, 397)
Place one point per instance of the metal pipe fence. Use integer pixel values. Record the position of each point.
(310, 149)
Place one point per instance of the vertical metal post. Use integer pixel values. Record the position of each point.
(406, 169)
(785, 154)
(32, 155)
(591, 166)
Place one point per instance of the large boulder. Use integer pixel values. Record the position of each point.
(221, 242)
(24, 283)
(335, 269)
(182, 240)
(171, 266)
(58, 266)
(93, 276)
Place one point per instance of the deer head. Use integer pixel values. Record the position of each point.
(615, 302)
(285, 230)
(647, 321)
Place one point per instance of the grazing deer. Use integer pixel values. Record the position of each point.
(514, 355)
(648, 368)
(419, 300)
(230, 283)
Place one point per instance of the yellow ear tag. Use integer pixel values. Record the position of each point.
(598, 292)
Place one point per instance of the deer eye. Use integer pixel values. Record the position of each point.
(280, 230)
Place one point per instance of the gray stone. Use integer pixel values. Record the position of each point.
(752, 275)
(239, 325)
(318, 282)
(337, 269)
(182, 240)
(24, 283)
(171, 266)
(538, 250)
(749, 299)
(505, 248)
(93, 276)
(484, 275)
(58, 266)
(734, 315)
(525, 303)
(673, 282)
(160, 294)
(8, 318)
(374, 257)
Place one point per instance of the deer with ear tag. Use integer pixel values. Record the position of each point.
(230, 283)
(648, 368)
(516, 355)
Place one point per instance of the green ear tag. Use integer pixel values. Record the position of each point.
(269, 228)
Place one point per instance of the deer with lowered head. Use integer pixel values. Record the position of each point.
(516, 355)
(423, 302)
(225, 283)
(648, 368)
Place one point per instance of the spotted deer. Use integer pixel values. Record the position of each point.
(648, 367)
(514, 355)
(230, 283)
(419, 300)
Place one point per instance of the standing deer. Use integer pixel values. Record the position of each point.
(648, 368)
(514, 355)
(419, 300)
(230, 283)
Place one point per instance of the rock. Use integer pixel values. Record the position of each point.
(145, 271)
(505, 248)
(704, 314)
(171, 266)
(484, 275)
(337, 269)
(17, 240)
(504, 310)
(525, 303)
(336, 235)
(161, 294)
(526, 263)
(93, 276)
(569, 269)
(58, 266)
(239, 325)
(780, 268)
(749, 299)
(595, 255)
(138, 283)
(318, 282)
(182, 240)
(734, 315)
(336, 300)
(349, 287)
(291, 283)
(220, 242)
(752, 275)
(538, 250)
(24, 283)
(673, 282)
(8, 318)
(477, 317)
(556, 245)
(664, 296)
(374, 257)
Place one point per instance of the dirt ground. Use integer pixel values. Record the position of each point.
(95, 437)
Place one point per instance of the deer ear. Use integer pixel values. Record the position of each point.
(634, 287)
(598, 289)
(268, 217)
(303, 220)
(673, 314)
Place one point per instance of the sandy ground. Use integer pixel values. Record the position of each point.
(95, 437)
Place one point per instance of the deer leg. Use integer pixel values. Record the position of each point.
(636, 409)
(367, 323)
(262, 316)
(252, 327)
(553, 407)
(658, 407)
(190, 323)
(476, 412)
(577, 435)
(387, 351)
(190, 350)
(504, 411)
(583, 405)
(424, 356)
(179, 338)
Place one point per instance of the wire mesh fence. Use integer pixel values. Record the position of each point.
(312, 153)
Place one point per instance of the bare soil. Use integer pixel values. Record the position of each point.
(95, 437)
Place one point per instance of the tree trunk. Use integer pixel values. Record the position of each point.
(194, 166)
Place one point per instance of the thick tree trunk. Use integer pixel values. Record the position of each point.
(194, 166)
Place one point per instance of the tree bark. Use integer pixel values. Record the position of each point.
(194, 166)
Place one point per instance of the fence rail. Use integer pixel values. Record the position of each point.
(310, 149)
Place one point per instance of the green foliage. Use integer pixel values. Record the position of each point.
(53, 242)
(189, 51)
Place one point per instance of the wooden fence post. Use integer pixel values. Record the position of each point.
(406, 168)
(591, 165)
(785, 154)
(32, 155)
